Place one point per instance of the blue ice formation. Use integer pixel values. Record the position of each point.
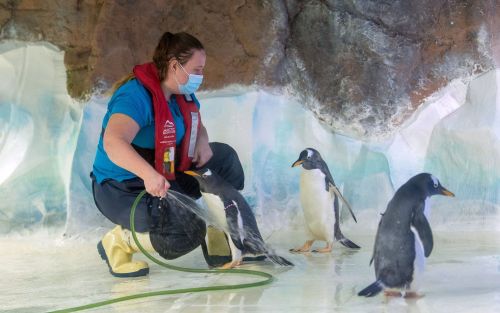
(48, 140)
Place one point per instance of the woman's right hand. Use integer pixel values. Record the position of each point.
(156, 184)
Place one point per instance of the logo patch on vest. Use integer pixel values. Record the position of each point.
(168, 131)
(168, 128)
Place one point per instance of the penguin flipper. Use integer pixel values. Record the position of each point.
(424, 231)
(337, 233)
(337, 192)
(232, 223)
(372, 290)
(329, 183)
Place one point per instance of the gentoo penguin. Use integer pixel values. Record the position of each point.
(394, 253)
(230, 211)
(319, 198)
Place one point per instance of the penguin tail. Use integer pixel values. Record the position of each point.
(281, 261)
(371, 290)
(347, 243)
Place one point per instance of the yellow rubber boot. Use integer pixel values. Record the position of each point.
(216, 248)
(143, 240)
(217, 242)
(117, 247)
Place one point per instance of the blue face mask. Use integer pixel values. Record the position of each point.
(193, 83)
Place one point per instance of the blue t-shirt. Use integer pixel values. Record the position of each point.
(134, 100)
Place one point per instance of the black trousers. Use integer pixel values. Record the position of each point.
(173, 230)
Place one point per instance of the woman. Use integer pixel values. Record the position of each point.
(151, 133)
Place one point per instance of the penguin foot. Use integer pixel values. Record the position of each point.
(305, 248)
(323, 250)
(413, 295)
(326, 249)
(392, 293)
(231, 265)
(299, 250)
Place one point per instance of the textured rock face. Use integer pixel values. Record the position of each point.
(104, 39)
(369, 64)
(362, 66)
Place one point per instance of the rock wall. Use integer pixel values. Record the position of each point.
(370, 63)
(362, 66)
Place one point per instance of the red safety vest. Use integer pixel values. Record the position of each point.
(165, 140)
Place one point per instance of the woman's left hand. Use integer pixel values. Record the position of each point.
(202, 150)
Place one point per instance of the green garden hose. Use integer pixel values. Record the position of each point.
(268, 277)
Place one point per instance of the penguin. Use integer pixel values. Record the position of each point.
(320, 201)
(230, 210)
(402, 231)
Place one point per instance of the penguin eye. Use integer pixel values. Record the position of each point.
(435, 181)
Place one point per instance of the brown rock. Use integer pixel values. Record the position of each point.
(367, 65)
(5, 14)
(363, 67)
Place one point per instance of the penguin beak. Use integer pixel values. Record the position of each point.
(297, 163)
(191, 173)
(446, 192)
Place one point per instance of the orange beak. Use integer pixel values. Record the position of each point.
(191, 173)
(446, 192)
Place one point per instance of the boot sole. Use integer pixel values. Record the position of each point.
(102, 253)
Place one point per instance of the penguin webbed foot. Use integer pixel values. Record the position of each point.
(412, 295)
(326, 249)
(231, 264)
(299, 250)
(306, 247)
(393, 293)
(323, 250)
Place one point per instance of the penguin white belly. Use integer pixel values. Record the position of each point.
(317, 204)
(419, 263)
(216, 210)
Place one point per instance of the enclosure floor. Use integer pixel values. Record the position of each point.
(42, 273)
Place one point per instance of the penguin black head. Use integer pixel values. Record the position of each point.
(208, 180)
(430, 185)
(309, 158)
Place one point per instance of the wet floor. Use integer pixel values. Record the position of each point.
(41, 274)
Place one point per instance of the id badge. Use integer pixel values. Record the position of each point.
(169, 160)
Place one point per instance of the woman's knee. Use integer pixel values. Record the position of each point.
(223, 150)
(172, 246)
(227, 164)
(177, 232)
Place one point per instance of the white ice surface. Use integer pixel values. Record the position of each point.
(42, 274)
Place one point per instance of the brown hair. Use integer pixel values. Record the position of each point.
(178, 46)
